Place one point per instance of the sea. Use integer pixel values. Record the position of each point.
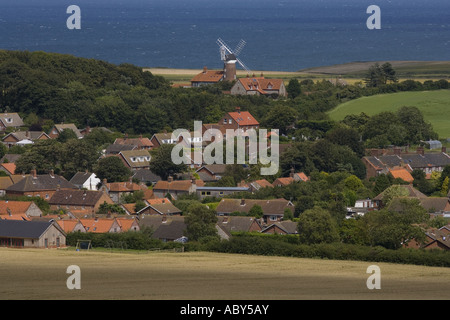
(281, 35)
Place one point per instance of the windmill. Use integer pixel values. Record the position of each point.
(230, 57)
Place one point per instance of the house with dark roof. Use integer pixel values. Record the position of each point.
(135, 159)
(218, 192)
(377, 164)
(31, 234)
(58, 128)
(162, 206)
(114, 149)
(281, 227)
(85, 180)
(211, 172)
(409, 191)
(146, 176)
(42, 185)
(19, 137)
(226, 225)
(10, 120)
(273, 209)
(165, 228)
(79, 202)
(159, 139)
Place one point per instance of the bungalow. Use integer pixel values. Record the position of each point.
(226, 225)
(166, 228)
(283, 181)
(273, 210)
(159, 207)
(31, 234)
(140, 143)
(20, 137)
(281, 227)
(211, 172)
(71, 225)
(256, 185)
(218, 192)
(58, 128)
(410, 191)
(43, 185)
(176, 187)
(10, 120)
(86, 202)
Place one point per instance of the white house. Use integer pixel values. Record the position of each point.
(85, 180)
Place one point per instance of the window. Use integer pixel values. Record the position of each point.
(225, 121)
(9, 120)
(273, 218)
(230, 121)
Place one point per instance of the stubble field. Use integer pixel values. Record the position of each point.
(42, 274)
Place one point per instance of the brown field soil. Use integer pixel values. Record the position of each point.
(41, 274)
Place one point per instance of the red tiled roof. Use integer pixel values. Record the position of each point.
(243, 118)
(10, 167)
(208, 76)
(402, 174)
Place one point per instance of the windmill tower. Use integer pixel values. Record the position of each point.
(230, 58)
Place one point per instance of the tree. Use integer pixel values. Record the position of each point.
(200, 222)
(445, 187)
(316, 226)
(378, 75)
(256, 211)
(293, 88)
(112, 169)
(161, 163)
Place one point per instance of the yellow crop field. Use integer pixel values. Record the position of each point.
(42, 274)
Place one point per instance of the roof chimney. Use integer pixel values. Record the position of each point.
(33, 173)
(444, 149)
(238, 109)
(421, 150)
(169, 179)
(242, 202)
(205, 69)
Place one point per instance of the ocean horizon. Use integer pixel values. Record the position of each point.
(285, 35)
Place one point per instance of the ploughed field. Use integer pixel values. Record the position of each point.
(42, 274)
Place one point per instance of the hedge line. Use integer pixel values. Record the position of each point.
(336, 251)
(271, 245)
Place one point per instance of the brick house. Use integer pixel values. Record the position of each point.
(86, 202)
(42, 185)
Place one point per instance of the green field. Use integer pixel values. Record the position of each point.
(435, 106)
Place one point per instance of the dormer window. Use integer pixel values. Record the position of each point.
(9, 120)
